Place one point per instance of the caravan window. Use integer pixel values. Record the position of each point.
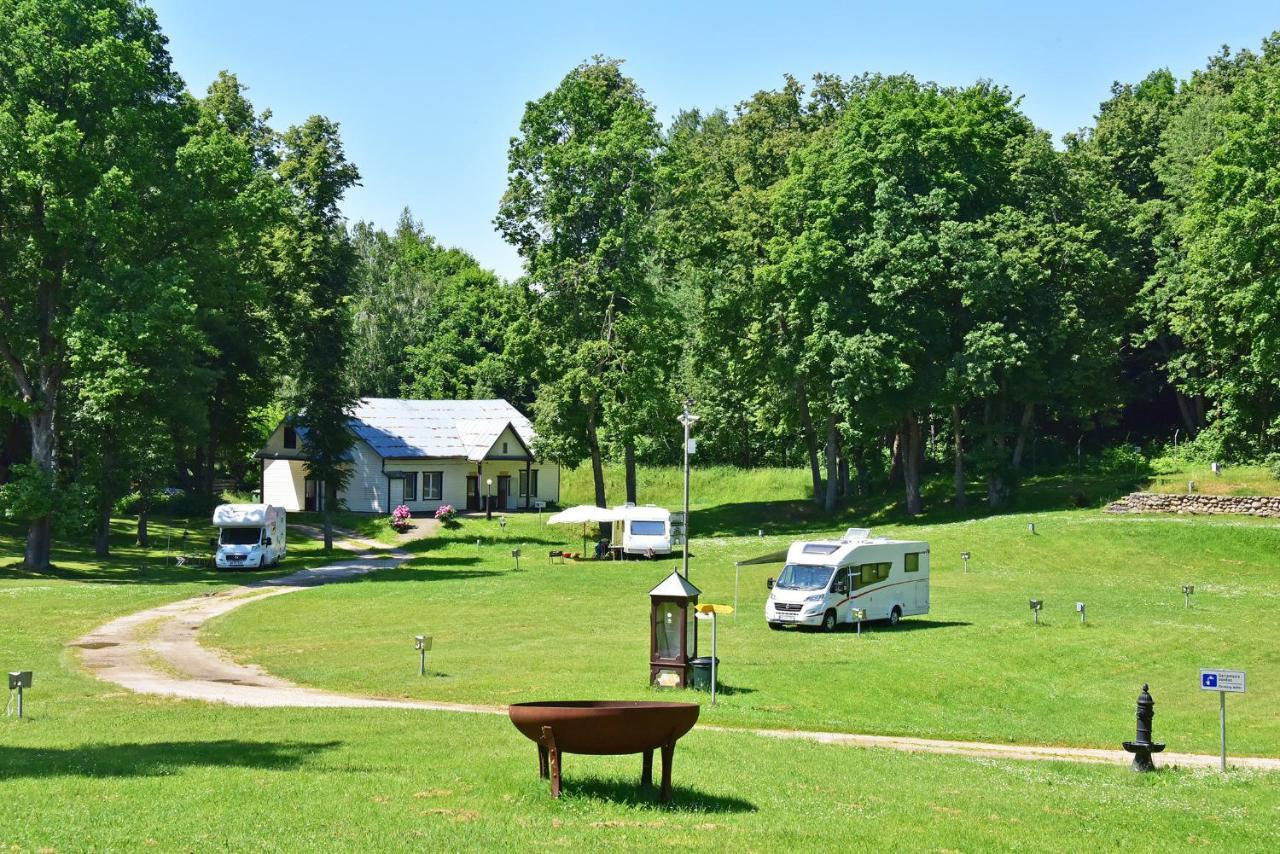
(802, 576)
(648, 528)
(911, 562)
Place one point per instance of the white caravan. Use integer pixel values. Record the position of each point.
(824, 581)
(251, 535)
(645, 529)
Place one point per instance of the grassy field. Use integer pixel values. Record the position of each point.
(1233, 480)
(93, 767)
(976, 667)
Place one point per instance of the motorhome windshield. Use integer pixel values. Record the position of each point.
(648, 528)
(802, 576)
(240, 536)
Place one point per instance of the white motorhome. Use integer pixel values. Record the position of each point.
(646, 529)
(250, 535)
(824, 581)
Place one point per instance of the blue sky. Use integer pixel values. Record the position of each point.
(428, 94)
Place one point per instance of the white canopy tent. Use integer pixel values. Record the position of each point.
(584, 514)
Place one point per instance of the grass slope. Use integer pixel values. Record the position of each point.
(974, 668)
(95, 768)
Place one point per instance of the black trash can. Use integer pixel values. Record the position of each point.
(701, 668)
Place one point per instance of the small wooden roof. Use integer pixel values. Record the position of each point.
(677, 586)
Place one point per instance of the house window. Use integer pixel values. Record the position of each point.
(504, 448)
(411, 486)
(290, 438)
(432, 485)
(524, 483)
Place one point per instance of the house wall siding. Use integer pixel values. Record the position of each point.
(366, 490)
(282, 484)
(455, 481)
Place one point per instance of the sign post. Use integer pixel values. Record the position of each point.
(709, 612)
(423, 645)
(1224, 682)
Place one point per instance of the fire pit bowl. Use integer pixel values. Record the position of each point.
(604, 728)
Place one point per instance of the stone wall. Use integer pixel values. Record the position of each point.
(1197, 504)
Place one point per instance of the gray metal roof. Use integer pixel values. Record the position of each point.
(410, 429)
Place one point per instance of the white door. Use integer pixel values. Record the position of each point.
(396, 496)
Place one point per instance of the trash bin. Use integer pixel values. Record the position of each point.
(702, 672)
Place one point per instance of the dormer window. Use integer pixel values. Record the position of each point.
(290, 438)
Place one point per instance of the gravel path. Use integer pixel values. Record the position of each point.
(156, 652)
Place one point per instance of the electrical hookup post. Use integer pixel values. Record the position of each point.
(1224, 682)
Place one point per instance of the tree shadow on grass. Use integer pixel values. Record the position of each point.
(421, 573)
(630, 793)
(155, 758)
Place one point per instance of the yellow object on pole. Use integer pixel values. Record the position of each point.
(715, 609)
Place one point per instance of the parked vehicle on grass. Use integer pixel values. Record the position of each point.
(250, 535)
(646, 529)
(824, 581)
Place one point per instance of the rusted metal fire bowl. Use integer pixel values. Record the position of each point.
(604, 728)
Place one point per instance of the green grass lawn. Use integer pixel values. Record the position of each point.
(93, 767)
(975, 668)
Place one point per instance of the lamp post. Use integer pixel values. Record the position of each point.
(688, 419)
(488, 498)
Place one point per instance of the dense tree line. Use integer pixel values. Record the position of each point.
(869, 277)
(874, 277)
(173, 270)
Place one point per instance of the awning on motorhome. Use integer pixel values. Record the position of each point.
(582, 514)
(771, 557)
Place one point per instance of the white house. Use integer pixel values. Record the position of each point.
(420, 453)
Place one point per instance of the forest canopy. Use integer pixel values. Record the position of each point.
(873, 277)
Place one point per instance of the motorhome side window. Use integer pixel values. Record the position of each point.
(911, 562)
(290, 438)
(870, 573)
(411, 486)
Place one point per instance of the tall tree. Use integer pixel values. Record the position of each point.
(88, 131)
(313, 262)
(577, 207)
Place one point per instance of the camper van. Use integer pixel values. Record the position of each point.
(250, 535)
(824, 581)
(645, 529)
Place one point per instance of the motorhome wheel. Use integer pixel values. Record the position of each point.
(895, 615)
(829, 621)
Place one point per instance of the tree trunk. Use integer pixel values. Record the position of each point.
(810, 441)
(833, 438)
(330, 498)
(102, 540)
(629, 463)
(1024, 427)
(597, 472)
(895, 457)
(910, 450)
(44, 454)
(843, 470)
(143, 539)
(958, 479)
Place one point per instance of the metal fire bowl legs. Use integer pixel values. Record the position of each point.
(603, 728)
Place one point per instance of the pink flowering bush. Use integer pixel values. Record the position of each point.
(400, 518)
(445, 512)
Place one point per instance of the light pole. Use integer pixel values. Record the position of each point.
(688, 419)
(488, 498)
